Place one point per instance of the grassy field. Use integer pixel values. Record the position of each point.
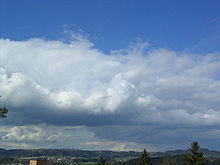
(87, 163)
(125, 158)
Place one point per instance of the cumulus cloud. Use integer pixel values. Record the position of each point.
(48, 136)
(73, 83)
(31, 134)
(75, 77)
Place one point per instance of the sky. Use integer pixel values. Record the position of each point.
(110, 75)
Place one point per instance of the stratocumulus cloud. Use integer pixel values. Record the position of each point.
(73, 83)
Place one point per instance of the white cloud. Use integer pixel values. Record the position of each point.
(76, 77)
(73, 83)
(31, 134)
(49, 136)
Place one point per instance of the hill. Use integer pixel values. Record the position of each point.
(81, 157)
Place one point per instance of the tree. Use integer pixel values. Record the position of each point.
(101, 161)
(3, 112)
(167, 160)
(196, 157)
(145, 158)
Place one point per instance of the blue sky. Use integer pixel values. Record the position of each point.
(76, 73)
(114, 24)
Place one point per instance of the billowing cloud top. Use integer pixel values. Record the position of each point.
(73, 83)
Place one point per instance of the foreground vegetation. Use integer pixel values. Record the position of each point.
(193, 156)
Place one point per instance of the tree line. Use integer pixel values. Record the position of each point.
(195, 157)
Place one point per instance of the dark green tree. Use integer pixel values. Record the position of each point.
(101, 161)
(3, 111)
(168, 160)
(145, 158)
(196, 157)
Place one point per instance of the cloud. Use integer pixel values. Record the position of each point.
(77, 78)
(73, 83)
(158, 138)
(48, 136)
(31, 134)
(16, 145)
(116, 146)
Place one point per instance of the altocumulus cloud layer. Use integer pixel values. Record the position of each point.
(147, 97)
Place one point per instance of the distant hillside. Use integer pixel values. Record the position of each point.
(64, 152)
(207, 153)
(81, 157)
(87, 154)
(212, 157)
